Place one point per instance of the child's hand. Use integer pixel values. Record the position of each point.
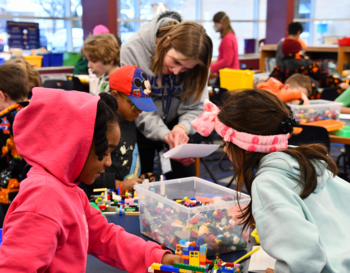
(269, 270)
(170, 259)
(344, 85)
(128, 185)
(305, 99)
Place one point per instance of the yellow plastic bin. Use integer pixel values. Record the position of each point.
(232, 79)
(34, 60)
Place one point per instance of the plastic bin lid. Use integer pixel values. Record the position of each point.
(329, 124)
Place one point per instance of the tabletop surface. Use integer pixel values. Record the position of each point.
(132, 225)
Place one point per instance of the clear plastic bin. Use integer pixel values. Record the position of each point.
(165, 221)
(316, 111)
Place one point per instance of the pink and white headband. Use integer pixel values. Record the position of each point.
(208, 121)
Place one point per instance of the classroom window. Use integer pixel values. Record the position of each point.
(323, 23)
(59, 21)
(246, 16)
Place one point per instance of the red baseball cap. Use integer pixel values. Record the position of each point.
(133, 82)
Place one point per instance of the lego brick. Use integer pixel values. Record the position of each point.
(186, 253)
(189, 267)
(169, 268)
(186, 257)
(132, 213)
(156, 266)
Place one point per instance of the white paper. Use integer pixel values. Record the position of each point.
(344, 116)
(260, 261)
(191, 150)
(165, 163)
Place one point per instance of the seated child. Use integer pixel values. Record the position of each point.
(51, 226)
(32, 76)
(13, 97)
(293, 62)
(130, 86)
(296, 87)
(299, 205)
(103, 53)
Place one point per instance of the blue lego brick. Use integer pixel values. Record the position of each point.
(191, 248)
(185, 248)
(186, 253)
(209, 213)
(196, 248)
(203, 248)
(193, 198)
(169, 268)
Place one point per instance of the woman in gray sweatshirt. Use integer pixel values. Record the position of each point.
(177, 56)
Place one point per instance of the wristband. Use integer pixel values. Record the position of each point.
(181, 126)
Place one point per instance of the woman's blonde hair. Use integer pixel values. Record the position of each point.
(32, 76)
(103, 47)
(222, 18)
(191, 40)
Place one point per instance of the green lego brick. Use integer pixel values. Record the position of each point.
(189, 267)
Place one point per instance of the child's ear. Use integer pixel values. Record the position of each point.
(115, 94)
(3, 97)
(286, 87)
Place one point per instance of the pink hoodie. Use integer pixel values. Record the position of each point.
(50, 226)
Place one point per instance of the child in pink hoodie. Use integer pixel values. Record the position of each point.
(67, 137)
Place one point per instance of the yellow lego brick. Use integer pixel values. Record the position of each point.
(182, 270)
(186, 198)
(178, 201)
(156, 266)
(99, 189)
(218, 241)
(132, 213)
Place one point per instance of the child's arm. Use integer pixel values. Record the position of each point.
(30, 243)
(113, 245)
(288, 96)
(284, 232)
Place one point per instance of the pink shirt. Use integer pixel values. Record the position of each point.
(228, 54)
(50, 226)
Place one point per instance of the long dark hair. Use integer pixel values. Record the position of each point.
(260, 112)
(106, 115)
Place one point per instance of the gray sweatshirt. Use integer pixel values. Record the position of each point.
(139, 50)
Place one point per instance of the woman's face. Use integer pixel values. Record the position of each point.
(175, 62)
(218, 26)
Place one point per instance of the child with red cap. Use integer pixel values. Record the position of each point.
(294, 62)
(131, 87)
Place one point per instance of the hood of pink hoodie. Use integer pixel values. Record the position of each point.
(65, 121)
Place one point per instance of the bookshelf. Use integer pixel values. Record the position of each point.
(339, 53)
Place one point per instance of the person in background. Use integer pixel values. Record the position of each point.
(103, 55)
(176, 55)
(299, 205)
(294, 31)
(81, 67)
(32, 76)
(293, 62)
(228, 49)
(296, 87)
(131, 88)
(13, 98)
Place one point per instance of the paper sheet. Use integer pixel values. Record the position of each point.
(344, 116)
(191, 150)
(260, 261)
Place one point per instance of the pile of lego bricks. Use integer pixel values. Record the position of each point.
(119, 203)
(218, 229)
